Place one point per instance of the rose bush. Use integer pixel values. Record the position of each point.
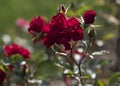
(67, 34)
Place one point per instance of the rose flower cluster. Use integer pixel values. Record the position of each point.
(61, 29)
(16, 49)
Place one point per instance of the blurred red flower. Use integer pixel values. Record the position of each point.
(20, 22)
(2, 76)
(25, 53)
(16, 49)
(11, 49)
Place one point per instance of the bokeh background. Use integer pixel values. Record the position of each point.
(107, 28)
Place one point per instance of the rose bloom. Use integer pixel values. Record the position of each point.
(2, 76)
(11, 49)
(63, 30)
(24, 53)
(16, 49)
(89, 16)
(36, 24)
(73, 22)
(58, 22)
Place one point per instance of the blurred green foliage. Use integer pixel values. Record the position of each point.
(10, 10)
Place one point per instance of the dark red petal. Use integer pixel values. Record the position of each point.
(89, 16)
(36, 24)
(2, 76)
(59, 21)
(77, 34)
(73, 22)
(46, 28)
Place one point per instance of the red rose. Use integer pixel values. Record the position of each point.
(77, 34)
(36, 24)
(57, 25)
(58, 22)
(64, 39)
(46, 28)
(62, 31)
(2, 76)
(11, 49)
(51, 38)
(16, 49)
(73, 22)
(89, 17)
(24, 53)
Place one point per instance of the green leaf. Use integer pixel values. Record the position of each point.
(100, 83)
(113, 78)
